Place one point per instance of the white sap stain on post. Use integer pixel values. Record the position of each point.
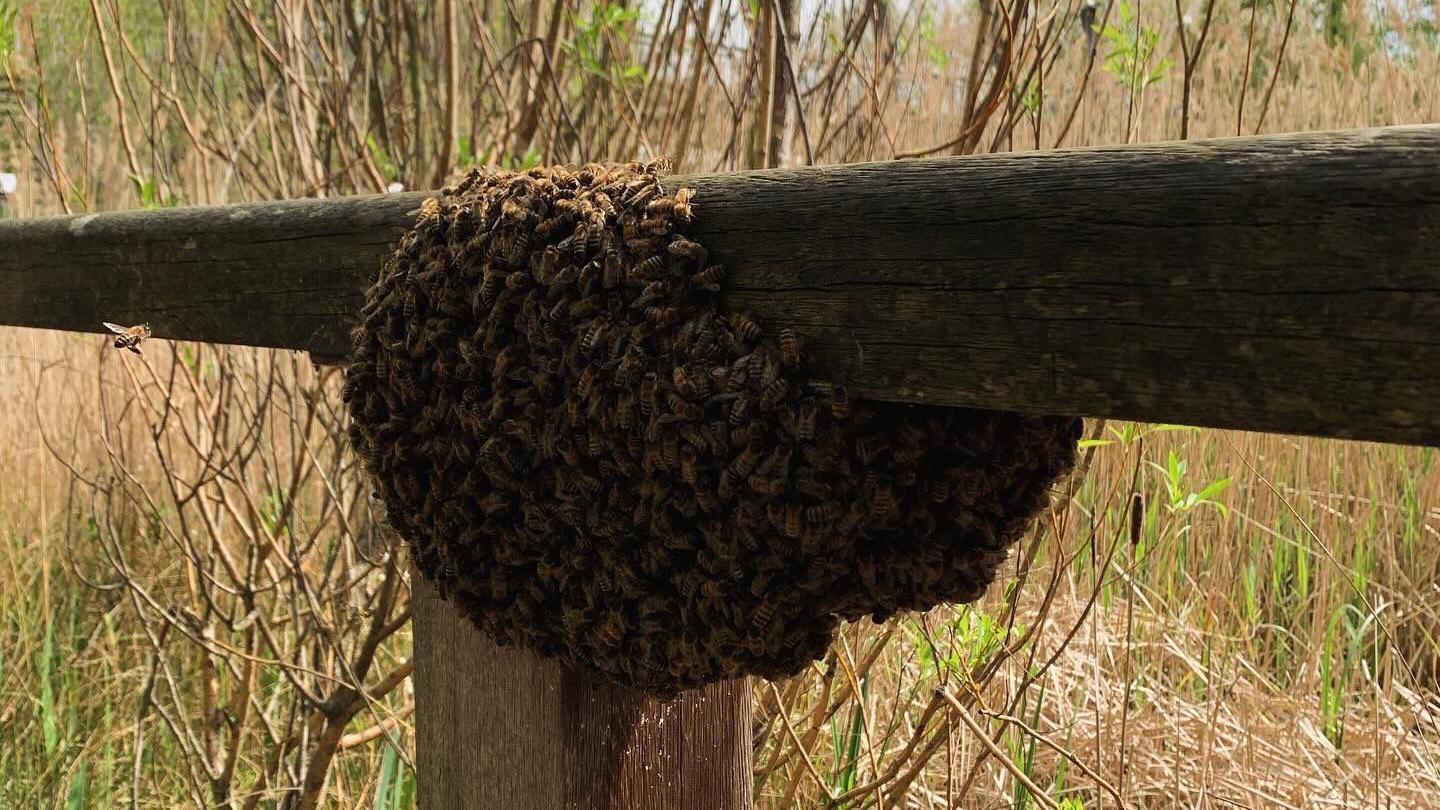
(77, 225)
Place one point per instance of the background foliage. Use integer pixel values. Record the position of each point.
(197, 606)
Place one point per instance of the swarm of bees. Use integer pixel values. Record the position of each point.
(593, 459)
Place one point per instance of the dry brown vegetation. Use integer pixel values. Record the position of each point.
(197, 606)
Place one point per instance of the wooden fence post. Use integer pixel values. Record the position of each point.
(498, 727)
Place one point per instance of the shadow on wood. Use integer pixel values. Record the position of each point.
(497, 727)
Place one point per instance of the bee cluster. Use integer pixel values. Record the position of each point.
(592, 459)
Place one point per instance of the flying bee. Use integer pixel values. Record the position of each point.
(129, 337)
(789, 348)
(745, 327)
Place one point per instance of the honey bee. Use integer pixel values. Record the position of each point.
(822, 513)
(710, 278)
(688, 249)
(726, 487)
(805, 421)
(605, 204)
(429, 210)
(583, 308)
(688, 411)
(653, 292)
(612, 631)
(566, 449)
(868, 448)
(744, 463)
(789, 348)
(129, 337)
(489, 285)
(655, 226)
(705, 500)
(739, 410)
(745, 327)
(593, 174)
(683, 209)
(586, 384)
(648, 388)
(688, 386)
(767, 485)
(670, 451)
(658, 207)
(939, 491)
(839, 402)
(661, 316)
(773, 393)
(625, 411)
(592, 337)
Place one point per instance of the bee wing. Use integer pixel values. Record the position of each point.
(115, 327)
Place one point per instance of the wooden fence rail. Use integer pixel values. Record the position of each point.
(1287, 283)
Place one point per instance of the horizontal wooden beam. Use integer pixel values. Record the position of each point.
(1284, 283)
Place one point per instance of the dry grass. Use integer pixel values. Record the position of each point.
(1267, 638)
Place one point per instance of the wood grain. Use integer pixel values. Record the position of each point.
(499, 727)
(1284, 283)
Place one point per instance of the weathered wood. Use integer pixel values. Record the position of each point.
(1285, 283)
(498, 727)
